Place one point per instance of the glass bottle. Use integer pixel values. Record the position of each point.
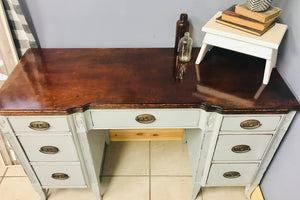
(185, 48)
(182, 26)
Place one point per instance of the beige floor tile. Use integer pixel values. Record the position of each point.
(2, 169)
(125, 188)
(17, 188)
(74, 194)
(15, 170)
(175, 188)
(127, 158)
(170, 158)
(224, 193)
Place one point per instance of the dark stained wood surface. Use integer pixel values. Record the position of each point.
(64, 81)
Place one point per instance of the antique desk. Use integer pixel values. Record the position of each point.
(54, 97)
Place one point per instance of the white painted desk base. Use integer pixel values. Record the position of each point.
(201, 138)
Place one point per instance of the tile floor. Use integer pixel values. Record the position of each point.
(135, 171)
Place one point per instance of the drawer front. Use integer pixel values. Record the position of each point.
(231, 174)
(145, 118)
(39, 124)
(49, 148)
(250, 123)
(241, 147)
(60, 176)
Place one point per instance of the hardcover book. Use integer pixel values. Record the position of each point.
(264, 17)
(230, 16)
(244, 28)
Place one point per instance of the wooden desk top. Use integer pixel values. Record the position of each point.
(64, 81)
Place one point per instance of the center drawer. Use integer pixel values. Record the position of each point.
(49, 147)
(145, 118)
(241, 147)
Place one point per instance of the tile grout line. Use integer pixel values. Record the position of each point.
(6, 169)
(149, 170)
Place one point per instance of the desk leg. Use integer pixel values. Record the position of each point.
(91, 152)
(42, 192)
(274, 143)
(196, 190)
(184, 137)
(9, 134)
(249, 190)
(107, 138)
(204, 48)
(96, 190)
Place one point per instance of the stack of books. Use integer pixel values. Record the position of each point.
(240, 17)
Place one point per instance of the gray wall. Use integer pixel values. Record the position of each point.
(135, 23)
(116, 23)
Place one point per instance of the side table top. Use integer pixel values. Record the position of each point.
(271, 38)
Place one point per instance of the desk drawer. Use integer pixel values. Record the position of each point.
(49, 148)
(231, 174)
(60, 175)
(145, 118)
(39, 124)
(241, 147)
(250, 123)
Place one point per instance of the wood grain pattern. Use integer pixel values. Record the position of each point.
(65, 81)
(145, 134)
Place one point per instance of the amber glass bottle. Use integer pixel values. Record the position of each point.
(182, 26)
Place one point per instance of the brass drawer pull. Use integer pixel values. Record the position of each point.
(145, 118)
(250, 124)
(39, 125)
(49, 150)
(242, 148)
(60, 176)
(231, 174)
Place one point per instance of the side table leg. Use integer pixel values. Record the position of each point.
(204, 48)
(270, 64)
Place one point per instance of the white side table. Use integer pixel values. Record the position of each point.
(264, 46)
